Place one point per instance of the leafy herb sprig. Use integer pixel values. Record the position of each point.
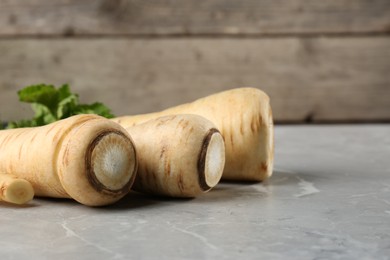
(51, 104)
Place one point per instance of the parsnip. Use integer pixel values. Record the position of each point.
(179, 156)
(244, 118)
(15, 190)
(85, 157)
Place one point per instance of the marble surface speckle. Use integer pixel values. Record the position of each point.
(329, 198)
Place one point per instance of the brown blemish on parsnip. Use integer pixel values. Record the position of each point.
(231, 140)
(183, 123)
(18, 134)
(231, 135)
(20, 152)
(261, 121)
(6, 140)
(165, 120)
(180, 182)
(2, 142)
(2, 190)
(253, 124)
(241, 128)
(58, 136)
(65, 159)
(50, 129)
(163, 150)
(167, 168)
(264, 166)
(33, 138)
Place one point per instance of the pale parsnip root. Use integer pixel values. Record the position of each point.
(85, 157)
(179, 156)
(15, 190)
(244, 118)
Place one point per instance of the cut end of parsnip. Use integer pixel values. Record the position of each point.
(19, 191)
(112, 163)
(212, 160)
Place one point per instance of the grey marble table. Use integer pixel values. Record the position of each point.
(329, 198)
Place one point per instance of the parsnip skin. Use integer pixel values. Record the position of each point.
(85, 157)
(244, 118)
(15, 190)
(179, 156)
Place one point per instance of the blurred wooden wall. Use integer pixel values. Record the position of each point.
(319, 60)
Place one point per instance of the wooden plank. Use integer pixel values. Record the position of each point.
(164, 17)
(307, 78)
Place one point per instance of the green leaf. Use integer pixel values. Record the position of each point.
(67, 106)
(64, 92)
(51, 104)
(43, 94)
(43, 115)
(95, 108)
(21, 123)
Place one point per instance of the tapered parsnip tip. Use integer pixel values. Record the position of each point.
(19, 191)
(214, 159)
(112, 164)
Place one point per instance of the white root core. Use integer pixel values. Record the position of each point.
(215, 160)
